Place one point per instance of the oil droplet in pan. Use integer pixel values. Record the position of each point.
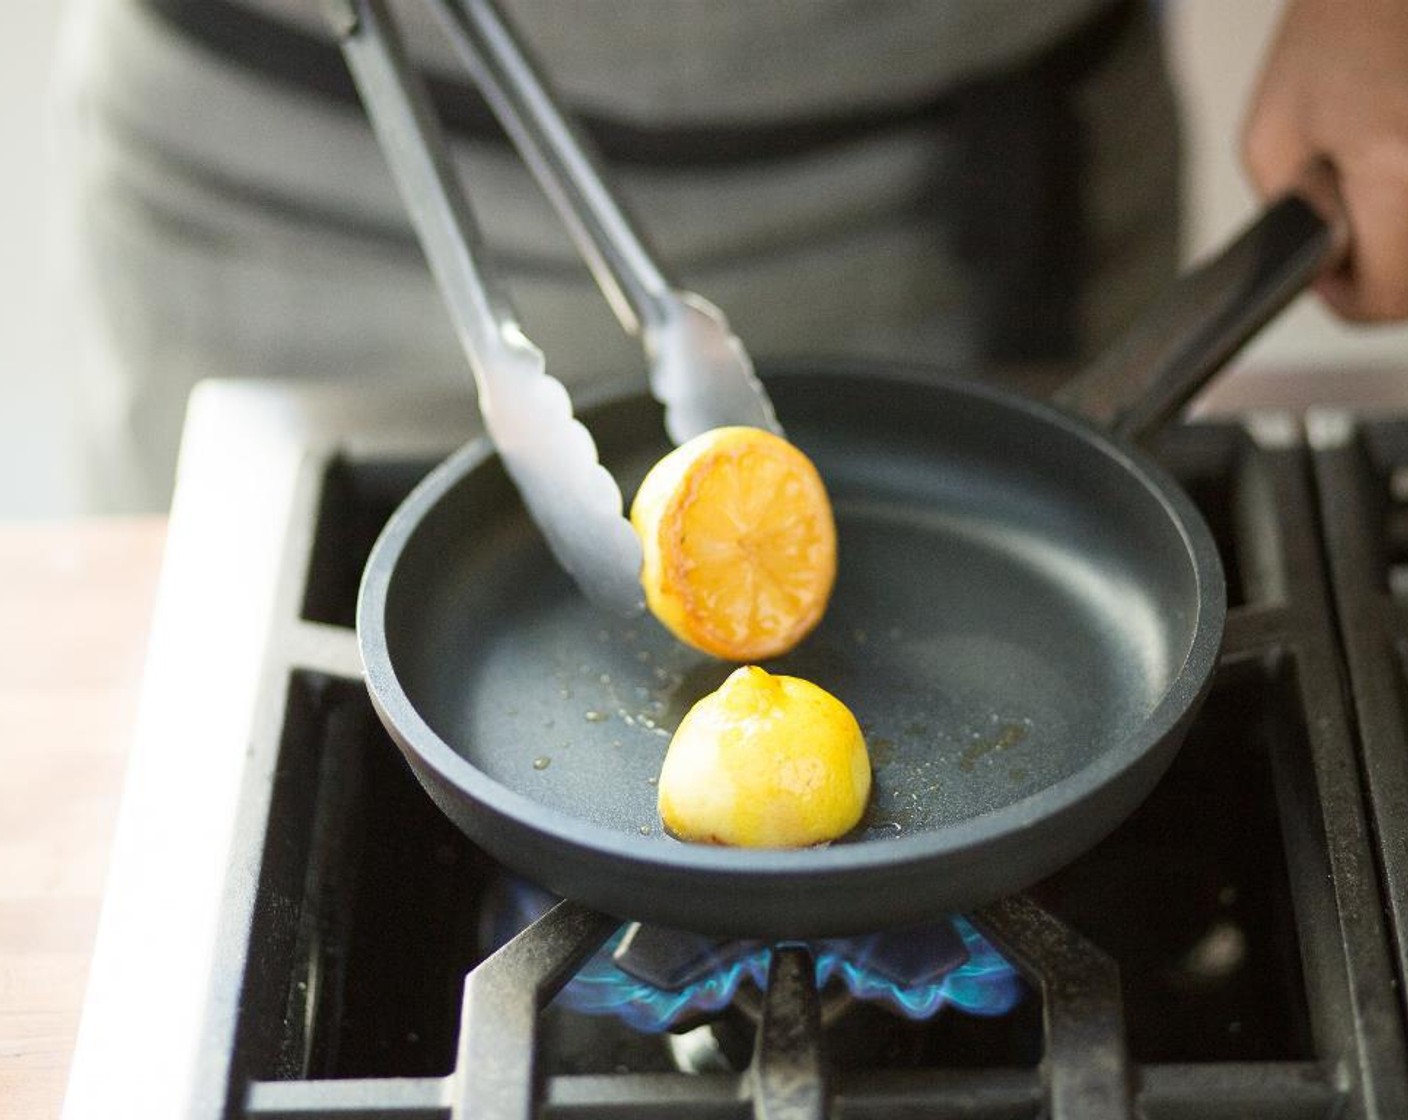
(1007, 736)
(542, 762)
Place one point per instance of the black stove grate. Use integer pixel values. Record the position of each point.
(1361, 469)
(1223, 954)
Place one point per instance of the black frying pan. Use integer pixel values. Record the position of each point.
(1026, 617)
(1024, 620)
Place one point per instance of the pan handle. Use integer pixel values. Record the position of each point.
(1176, 347)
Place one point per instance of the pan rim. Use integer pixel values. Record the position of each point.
(661, 854)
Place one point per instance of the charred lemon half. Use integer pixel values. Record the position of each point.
(738, 543)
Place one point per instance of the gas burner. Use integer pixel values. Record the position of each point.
(656, 979)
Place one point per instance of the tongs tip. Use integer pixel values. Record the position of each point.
(702, 374)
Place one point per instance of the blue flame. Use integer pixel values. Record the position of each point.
(600, 988)
(985, 984)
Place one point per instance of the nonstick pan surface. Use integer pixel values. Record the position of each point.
(1025, 618)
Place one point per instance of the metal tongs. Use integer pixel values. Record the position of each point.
(698, 368)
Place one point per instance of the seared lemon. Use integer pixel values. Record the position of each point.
(765, 762)
(739, 543)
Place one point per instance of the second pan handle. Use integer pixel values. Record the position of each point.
(1176, 347)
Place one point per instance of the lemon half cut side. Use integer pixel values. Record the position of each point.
(738, 543)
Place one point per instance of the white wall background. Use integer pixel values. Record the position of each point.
(1215, 44)
(37, 354)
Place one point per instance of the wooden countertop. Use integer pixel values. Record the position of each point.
(76, 599)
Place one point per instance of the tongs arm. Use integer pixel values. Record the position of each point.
(551, 457)
(699, 368)
(561, 160)
(412, 141)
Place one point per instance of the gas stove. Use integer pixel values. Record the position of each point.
(293, 930)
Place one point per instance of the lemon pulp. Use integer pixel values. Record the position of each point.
(738, 543)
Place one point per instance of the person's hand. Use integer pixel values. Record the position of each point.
(1335, 84)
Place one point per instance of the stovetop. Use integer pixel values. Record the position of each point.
(293, 929)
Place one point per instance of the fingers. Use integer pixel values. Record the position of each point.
(1335, 86)
(1372, 285)
(1274, 146)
